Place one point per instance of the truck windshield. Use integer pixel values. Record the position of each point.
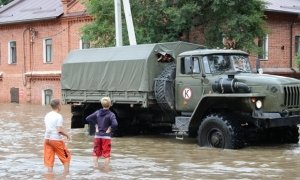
(220, 63)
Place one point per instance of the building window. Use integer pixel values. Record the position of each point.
(47, 96)
(12, 48)
(84, 44)
(263, 44)
(48, 50)
(297, 45)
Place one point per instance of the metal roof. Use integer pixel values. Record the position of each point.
(30, 10)
(212, 51)
(285, 6)
(33, 10)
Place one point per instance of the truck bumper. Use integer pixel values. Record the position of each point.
(269, 120)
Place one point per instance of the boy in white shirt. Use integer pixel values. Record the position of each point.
(54, 143)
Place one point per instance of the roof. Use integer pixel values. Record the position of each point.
(34, 10)
(285, 6)
(30, 10)
(212, 51)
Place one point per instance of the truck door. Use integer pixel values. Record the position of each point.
(188, 83)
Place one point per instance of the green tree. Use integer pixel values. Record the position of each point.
(168, 20)
(4, 2)
(101, 30)
(242, 21)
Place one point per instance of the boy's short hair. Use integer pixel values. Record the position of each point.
(105, 102)
(54, 103)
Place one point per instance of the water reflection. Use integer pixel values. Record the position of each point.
(138, 157)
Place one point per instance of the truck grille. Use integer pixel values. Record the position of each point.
(292, 96)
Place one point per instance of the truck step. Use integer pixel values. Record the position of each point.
(181, 126)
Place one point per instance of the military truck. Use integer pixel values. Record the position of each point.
(210, 94)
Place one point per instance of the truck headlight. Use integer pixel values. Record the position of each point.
(258, 104)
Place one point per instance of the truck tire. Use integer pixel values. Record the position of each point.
(164, 88)
(219, 131)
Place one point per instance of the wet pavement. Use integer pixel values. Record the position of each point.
(135, 157)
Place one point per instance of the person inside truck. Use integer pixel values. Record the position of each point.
(164, 57)
(238, 65)
(221, 63)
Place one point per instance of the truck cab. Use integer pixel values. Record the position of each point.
(224, 104)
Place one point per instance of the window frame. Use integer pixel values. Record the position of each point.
(190, 60)
(45, 51)
(12, 58)
(297, 44)
(45, 92)
(265, 47)
(82, 43)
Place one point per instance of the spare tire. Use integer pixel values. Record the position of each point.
(164, 88)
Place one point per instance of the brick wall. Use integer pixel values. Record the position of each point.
(40, 76)
(281, 53)
(280, 49)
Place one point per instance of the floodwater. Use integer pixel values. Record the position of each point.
(135, 157)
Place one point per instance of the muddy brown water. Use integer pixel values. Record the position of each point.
(135, 157)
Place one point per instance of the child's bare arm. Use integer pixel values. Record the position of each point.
(62, 132)
(108, 130)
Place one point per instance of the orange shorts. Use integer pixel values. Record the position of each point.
(55, 147)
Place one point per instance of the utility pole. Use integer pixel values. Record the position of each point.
(118, 23)
(129, 23)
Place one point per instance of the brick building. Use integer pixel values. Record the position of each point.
(35, 37)
(281, 43)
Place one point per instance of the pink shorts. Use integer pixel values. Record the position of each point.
(102, 147)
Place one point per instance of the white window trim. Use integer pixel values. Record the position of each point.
(80, 43)
(267, 47)
(9, 52)
(44, 50)
(43, 96)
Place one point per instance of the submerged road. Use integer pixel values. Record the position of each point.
(135, 157)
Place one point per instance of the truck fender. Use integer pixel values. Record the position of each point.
(209, 100)
(202, 107)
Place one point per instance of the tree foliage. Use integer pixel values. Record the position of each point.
(168, 20)
(4, 2)
(242, 21)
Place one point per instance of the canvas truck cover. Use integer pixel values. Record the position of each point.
(126, 68)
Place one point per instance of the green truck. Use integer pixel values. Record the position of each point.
(210, 94)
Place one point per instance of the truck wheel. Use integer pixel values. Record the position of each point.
(218, 131)
(164, 88)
